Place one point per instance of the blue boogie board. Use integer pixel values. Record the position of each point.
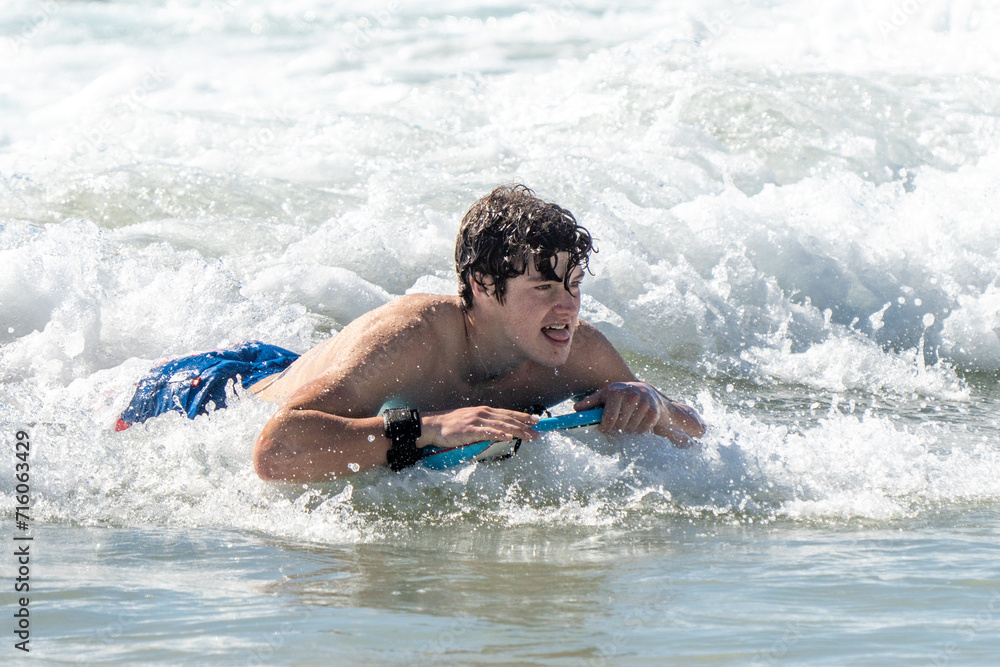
(439, 458)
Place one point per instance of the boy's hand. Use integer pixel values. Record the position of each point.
(629, 407)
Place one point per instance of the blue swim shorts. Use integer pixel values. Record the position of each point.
(189, 384)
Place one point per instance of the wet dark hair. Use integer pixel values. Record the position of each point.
(505, 229)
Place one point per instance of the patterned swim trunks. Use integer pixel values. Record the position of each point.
(190, 383)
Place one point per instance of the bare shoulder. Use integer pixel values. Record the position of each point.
(411, 319)
(422, 310)
(377, 353)
(588, 340)
(414, 325)
(595, 358)
(587, 334)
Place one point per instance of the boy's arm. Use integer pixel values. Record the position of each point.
(330, 427)
(299, 444)
(303, 444)
(630, 406)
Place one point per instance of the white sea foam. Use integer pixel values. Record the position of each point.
(171, 471)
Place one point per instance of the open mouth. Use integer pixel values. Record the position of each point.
(558, 333)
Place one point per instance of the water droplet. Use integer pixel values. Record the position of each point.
(371, 438)
(354, 467)
(928, 319)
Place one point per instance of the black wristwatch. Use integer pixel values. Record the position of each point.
(402, 427)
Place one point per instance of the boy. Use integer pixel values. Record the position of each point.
(463, 368)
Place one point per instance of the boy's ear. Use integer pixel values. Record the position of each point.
(482, 286)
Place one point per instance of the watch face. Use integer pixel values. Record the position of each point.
(402, 424)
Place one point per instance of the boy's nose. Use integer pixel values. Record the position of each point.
(568, 301)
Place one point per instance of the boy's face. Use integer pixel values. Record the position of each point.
(540, 315)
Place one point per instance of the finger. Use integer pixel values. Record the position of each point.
(512, 427)
(592, 401)
(649, 421)
(626, 413)
(488, 433)
(612, 407)
(639, 419)
(519, 417)
(522, 431)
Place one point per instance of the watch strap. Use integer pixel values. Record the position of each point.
(402, 428)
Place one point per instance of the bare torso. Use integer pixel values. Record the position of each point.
(448, 374)
(426, 352)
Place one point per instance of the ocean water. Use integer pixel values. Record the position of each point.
(795, 206)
